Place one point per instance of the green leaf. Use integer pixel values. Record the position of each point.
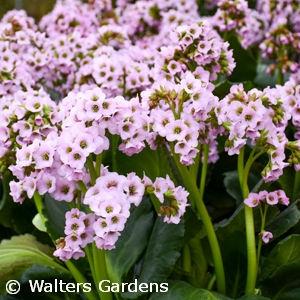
(22, 252)
(38, 223)
(285, 220)
(272, 212)
(253, 297)
(263, 79)
(55, 212)
(223, 88)
(235, 222)
(153, 163)
(285, 181)
(181, 290)
(37, 272)
(284, 252)
(132, 242)
(198, 274)
(284, 283)
(161, 255)
(232, 185)
(234, 253)
(245, 63)
(146, 161)
(192, 224)
(15, 215)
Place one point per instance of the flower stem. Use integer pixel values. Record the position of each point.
(249, 220)
(263, 223)
(187, 260)
(98, 164)
(39, 206)
(80, 279)
(114, 147)
(280, 76)
(100, 271)
(211, 282)
(197, 200)
(92, 170)
(194, 168)
(204, 170)
(89, 256)
(79, 199)
(82, 186)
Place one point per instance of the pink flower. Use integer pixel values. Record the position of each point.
(134, 188)
(272, 198)
(176, 130)
(252, 200)
(282, 198)
(101, 227)
(74, 226)
(29, 185)
(47, 183)
(16, 191)
(24, 157)
(266, 236)
(43, 156)
(76, 158)
(73, 241)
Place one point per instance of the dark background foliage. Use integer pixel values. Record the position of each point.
(34, 8)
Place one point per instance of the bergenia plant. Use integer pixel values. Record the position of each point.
(150, 150)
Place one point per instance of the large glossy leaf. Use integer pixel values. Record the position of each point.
(245, 63)
(192, 224)
(286, 180)
(285, 220)
(46, 274)
(55, 212)
(284, 283)
(199, 266)
(236, 222)
(284, 252)
(161, 255)
(15, 215)
(232, 185)
(253, 297)
(152, 163)
(181, 290)
(263, 79)
(132, 242)
(223, 88)
(234, 253)
(22, 252)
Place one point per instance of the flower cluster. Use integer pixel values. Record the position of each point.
(279, 43)
(235, 16)
(79, 232)
(267, 198)
(71, 15)
(149, 22)
(109, 201)
(281, 34)
(26, 117)
(259, 116)
(231, 15)
(196, 48)
(178, 115)
(174, 199)
(271, 198)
